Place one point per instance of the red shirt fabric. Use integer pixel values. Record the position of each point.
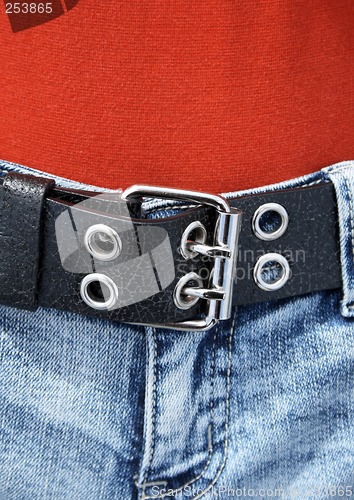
(213, 95)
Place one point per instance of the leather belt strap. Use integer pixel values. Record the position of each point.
(21, 198)
(311, 243)
(44, 258)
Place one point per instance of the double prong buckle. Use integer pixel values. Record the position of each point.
(223, 251)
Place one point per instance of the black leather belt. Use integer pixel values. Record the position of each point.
(94, 254)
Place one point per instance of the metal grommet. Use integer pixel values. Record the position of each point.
(102, 242)
(103, 296)
(270, 207)
(258, 268)
(181, 300)
(200, 237)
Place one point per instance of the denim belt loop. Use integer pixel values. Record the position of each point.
(342, 177)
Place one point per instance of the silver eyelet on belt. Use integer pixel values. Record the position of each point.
(200, 237)
(102, 242)
(258, 268)
(106, 285)
(182, 300)
(270, 207)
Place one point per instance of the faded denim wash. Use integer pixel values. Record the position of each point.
(262, 405)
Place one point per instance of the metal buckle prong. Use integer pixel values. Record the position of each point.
(205, 293)
(215, 252)
(224, 251)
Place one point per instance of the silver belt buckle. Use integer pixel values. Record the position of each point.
(223, 251)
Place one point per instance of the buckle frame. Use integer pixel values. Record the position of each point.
(225, 238)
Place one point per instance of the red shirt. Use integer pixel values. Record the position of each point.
(213, 95)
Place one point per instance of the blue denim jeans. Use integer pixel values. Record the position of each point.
(261, 405)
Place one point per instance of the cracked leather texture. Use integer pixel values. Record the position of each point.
(21, 198)
(310, 243)
(150, 264)
(150, 255)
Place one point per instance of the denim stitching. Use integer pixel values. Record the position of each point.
(210, 437)
(153, 418)
(226, 442)
(172, 207)
(351, 214)
(334, 168)
(212, 392)
(350, 306)
(227, 403)
(270, 268)
(311, 183)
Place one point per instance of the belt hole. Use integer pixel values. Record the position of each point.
(181, 300)
(271, 272)
(103, 242)
(270, 221)
(194, 232)
(99, 291)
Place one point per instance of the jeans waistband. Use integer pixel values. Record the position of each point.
(341, 175)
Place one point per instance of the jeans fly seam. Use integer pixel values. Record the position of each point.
(210, 426)
(153, 417)
(226, 441)
(227, 406)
